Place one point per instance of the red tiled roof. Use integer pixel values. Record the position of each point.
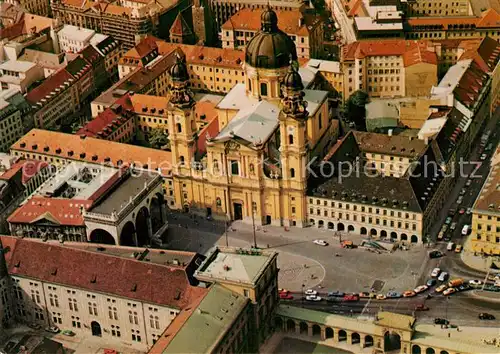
(57, 80)
(419, 54)
(490, 18)
(125, 277)
(470, 85)
(61, 211)
(29, 168)
(486, 53)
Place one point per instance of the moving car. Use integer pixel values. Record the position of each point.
(483, 157)
(366, 295)
(444, 228)
(461, 211)
(443, 276)
(286, 296)
(431, 282)
(469, 211)
(311, 292)
(486, 316)
(351, 297)
(421, 307)
(440, 235)
(313, 298)
(475, 283)
(441, 288)
(465, 230)
(450, 246)
(321, 242)
(435, 272)
(453, 226)
(336, 293)
(464, 287)
(347, 244)
(463, 191)
(441, 321)
(460, 200)
(458, 249)
(409, 293)
(448, 220)
(449, 291)
(381, 297)
(455, 282)
(420, 289)
(393, 295)
(52, 329)
(435, 254)
(468, 183)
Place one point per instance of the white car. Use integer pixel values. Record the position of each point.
(449, 291)
(435, 272)
(460, 199)
(321, 242)
(443, 276)
(483, 157)
(453, 225)
(475, 283)
(420, 289)
(469, 211)
(311, 292)
(313, 298)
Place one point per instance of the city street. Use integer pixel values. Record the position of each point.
(346, 26)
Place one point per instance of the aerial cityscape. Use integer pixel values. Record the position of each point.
(234, 176)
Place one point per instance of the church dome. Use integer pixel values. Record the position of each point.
(178, 71)
(270, 48)
(293, 80)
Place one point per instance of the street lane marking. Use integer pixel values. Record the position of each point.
(366, 306)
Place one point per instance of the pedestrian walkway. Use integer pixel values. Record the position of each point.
(476, 261)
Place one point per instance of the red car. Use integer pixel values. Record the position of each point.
(286, 296)
(351, 297)
(421, 307)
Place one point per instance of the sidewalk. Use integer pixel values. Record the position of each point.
(476, 262)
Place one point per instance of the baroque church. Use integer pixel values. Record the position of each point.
(269, 129)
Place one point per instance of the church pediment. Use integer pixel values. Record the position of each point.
(46, 219)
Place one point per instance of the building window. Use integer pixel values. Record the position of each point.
(73, 306)
(115, 331)
(263, 89)
(113, 313)
(56, 318)
(235, 167)
(249, 85)
(53, 300)
(246, 293)
(292, 173)
(154, 322)
(92, 308)
(179, 127)
(39, 314)
(136, 336)
(290, 139)
(35, 296)
(132, 317)
(75, 322)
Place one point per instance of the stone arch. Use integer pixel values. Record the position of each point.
(394, 235)
(312, 221)
(383, 233)
(342, 335)
(363, 231)
(156, 210)
(128, 235)
(290, 325)
(373, 232)
(340, 227)
(316, 330)
(350, 228)
(321, 223)
(330, 225)
(415, 349)
(404, 237)
(102, 236)
(392, 341)
(143, 227)
(355, 338)
(368, 341)
(278, 323)
(430, 351)
(443, 352)
(414, 239)
(303, 327)
(328, 332)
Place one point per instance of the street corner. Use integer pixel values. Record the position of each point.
(297, 272)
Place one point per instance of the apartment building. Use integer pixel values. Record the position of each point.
(485, 235)
(19, 75)
(389, 68)
(73, 39)
(439, 8)
(327, 75)
(125, 21)
(11, 124)
(210, 69)
(305, 28)
(36, 7)
(377, 187)
(111, 50)
(71, 290)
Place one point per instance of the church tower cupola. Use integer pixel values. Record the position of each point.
(181, 96)
(293, 103)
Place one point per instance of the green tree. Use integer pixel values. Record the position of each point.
(354, 109)
(158, 139)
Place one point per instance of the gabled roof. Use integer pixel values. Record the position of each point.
(28, 168)
(490, 18)
(59, 80)
(180, 27)
(485, 53)
(101, 272)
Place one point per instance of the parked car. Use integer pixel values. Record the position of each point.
(448, 220)
(435, 254)
(449, 291)
(68, 333)
(351, 297)
(441, 288)
(286, 296)
(463, 191)
(450, 246)
(465, 230)
(431, 282)
(486, 316)
(441, 321)
(336, 293)
(468, 183)
(52, 329)
(455, 282)
(464, 287)
(420, 289)
(332, 299)
(461, 211)
(381, 297)
(475, 283)
(460, 200)
(347, 244)
(311, 292)
(443, 276)
(366, 295)
(321, 242)
(281, 290)
(409, 293)
(469, 211)
(444, 228)
(435, 272)
(393, 295)
(453, 226)
(421, 307)
(440, 235)
(313, 298)
(483, 157)
(458, 249)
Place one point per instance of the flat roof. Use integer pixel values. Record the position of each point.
(76, 33)
(17, 65)
(235, 264)
(209, 322)
(369, 24)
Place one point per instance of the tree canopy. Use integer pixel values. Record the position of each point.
(354, 109)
